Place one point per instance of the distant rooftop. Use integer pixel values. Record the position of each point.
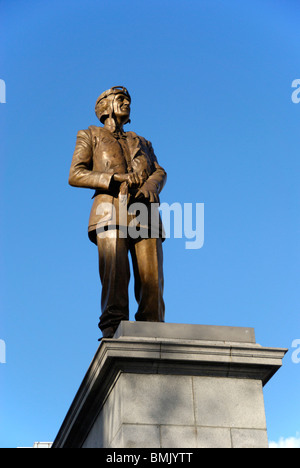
(40, 445)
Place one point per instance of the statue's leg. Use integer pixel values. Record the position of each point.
(114, 274)
(147, 260)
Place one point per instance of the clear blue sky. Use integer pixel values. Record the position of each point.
(211, 88)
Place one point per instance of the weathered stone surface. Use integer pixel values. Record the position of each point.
(185, 332)
(164, 391)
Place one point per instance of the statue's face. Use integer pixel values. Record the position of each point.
(121, 107)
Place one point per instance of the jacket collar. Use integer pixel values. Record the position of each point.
(133, 141)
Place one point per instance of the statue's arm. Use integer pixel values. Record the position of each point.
(81, 171)
(157, 178)
(155, 182)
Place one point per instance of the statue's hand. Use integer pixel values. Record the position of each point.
(134, 179)
(138, 178)
(121, 177)
(147, 193)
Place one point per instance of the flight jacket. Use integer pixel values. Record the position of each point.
(98, 155)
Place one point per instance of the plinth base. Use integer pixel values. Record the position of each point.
(159, 385)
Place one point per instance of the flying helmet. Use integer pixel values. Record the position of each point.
(104, 103)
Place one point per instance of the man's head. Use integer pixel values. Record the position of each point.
(114, 103)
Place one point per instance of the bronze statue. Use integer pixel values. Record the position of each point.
(123, 170)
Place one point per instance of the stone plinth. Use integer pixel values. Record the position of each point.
(159, 385)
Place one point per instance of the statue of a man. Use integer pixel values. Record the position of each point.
(123, 170)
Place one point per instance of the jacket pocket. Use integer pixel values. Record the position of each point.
(102, 212)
